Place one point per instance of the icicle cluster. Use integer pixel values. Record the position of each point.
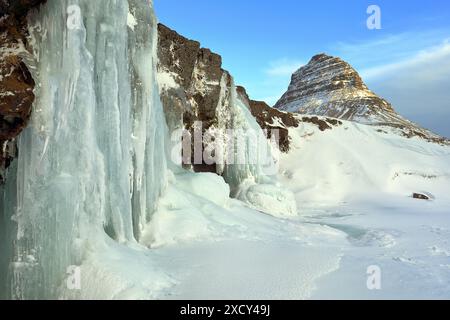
(93, 159)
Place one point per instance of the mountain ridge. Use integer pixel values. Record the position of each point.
(329, 86)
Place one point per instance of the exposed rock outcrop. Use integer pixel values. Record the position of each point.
(420, 196)
(329, 86)
(275, 121)
(193, 85)
(271, 120)
(16, 83)
(18, 8)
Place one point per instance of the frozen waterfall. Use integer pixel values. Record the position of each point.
(250, 164)
(93, 161)
(93, 158)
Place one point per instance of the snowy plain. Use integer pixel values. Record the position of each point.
(204, 245)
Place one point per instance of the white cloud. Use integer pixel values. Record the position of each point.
(390, 48)
(427, 57)
(284, 67)
(417, 87)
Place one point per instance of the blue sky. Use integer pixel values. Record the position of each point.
(262, 42)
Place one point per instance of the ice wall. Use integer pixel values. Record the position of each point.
(250, 164)
(93, 159)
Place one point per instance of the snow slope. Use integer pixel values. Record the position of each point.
(354, 160)
(353, 187)
(359, 179)
(213, 247)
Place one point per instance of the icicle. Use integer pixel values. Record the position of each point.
(80, 175)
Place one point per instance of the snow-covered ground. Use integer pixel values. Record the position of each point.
(408, 240)
(86, 170)
(212, 248)
(353, 186)
(237, 253)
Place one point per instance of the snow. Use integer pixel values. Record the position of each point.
(271, 198)
(92, 189)
(6, 94)
(354, 160)
(356, 212)
(207, 251)
(406, 238)
(131, 21)
(166, 80)
(360, 181)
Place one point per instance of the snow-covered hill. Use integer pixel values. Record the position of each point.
(329, 86)
(353, 160)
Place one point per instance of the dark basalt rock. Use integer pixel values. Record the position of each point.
(420, 196)
(194, 87)
(18, 8)
(16, 82)
(191, 81)
(323, 124)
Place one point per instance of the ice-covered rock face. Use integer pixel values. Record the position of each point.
(329, 86)
(92, 161)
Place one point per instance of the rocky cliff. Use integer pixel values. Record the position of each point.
(16, 83)
(272, 120)
(191, 80)
(329, 86)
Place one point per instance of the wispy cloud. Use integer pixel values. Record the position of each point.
(283, 67)
(389, 49)
(275, 79)
(427, 57)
